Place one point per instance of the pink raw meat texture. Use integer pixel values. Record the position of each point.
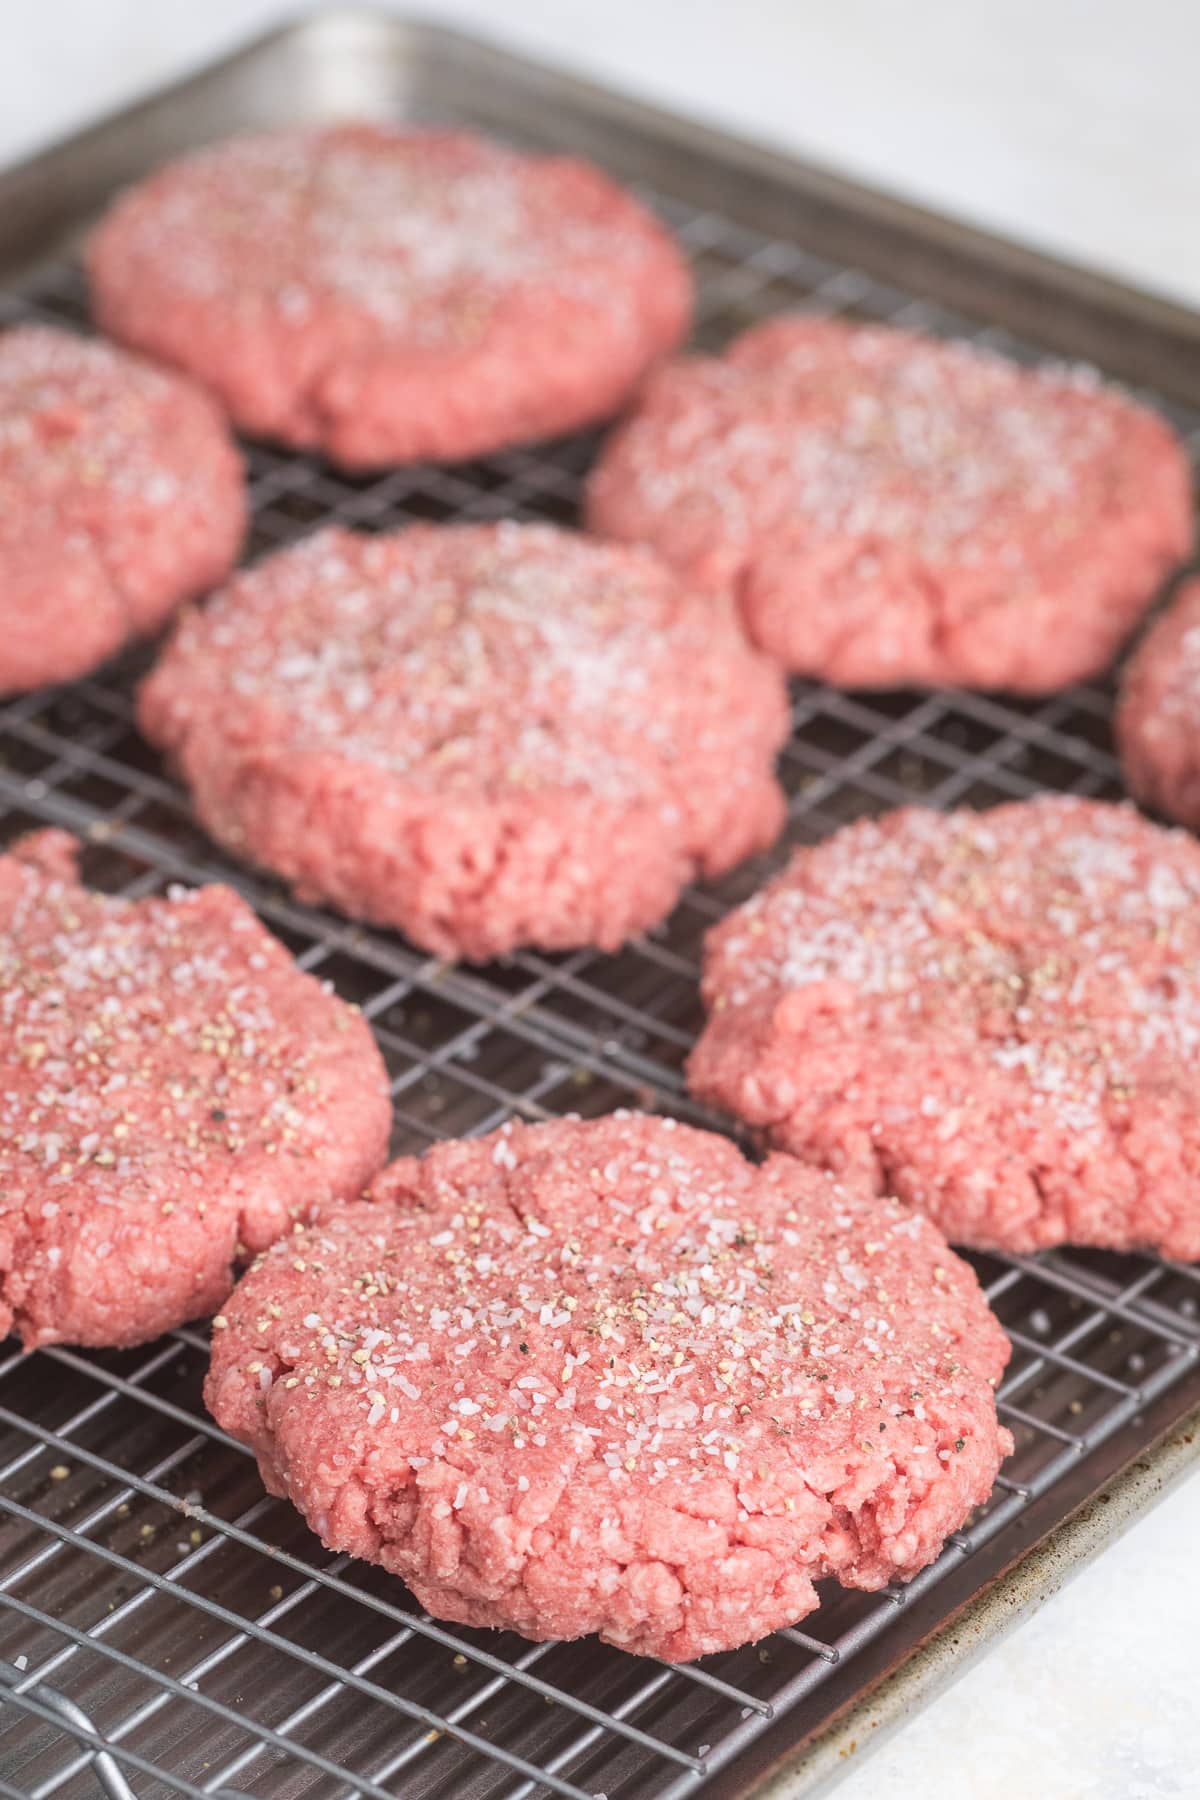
(608, 1376)
(890, 510)
(121, 496)
(993, 1015)
(485, 735)
(390, 295)
(171, 1087)
(1158, 712)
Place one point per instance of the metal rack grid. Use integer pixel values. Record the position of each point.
(167, 1629)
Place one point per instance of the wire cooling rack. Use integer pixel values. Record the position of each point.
(167, 1629)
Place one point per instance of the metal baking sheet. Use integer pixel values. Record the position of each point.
(165, 1628)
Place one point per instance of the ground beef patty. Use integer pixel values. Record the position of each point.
(485, 735)
(993, 1015)
(390, 295)
(890, 509)
(1158, 712)
(608, 1376)
(120, 496)
(170, 1085)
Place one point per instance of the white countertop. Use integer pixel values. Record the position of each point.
(1072, 124)
(1093, 1698)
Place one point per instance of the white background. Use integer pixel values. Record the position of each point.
(1072, 124)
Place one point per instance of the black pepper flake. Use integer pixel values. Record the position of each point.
(524, 1349)
(217, 1114)
(959, 1443)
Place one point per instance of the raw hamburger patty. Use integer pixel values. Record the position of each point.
(993, 1015)
(120, 496)
(608, 1376)
(390, 295)
(486, 735)
(1158, 713)
(171, 1085)
(890, 509)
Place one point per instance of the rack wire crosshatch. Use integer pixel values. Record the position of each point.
(165, 1628)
